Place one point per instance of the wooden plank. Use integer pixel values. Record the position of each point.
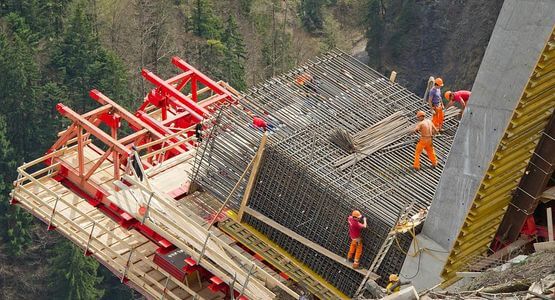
(305, 241)
(544, 246)
(252, 178)
(549, 194)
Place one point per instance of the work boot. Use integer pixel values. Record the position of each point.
(355, 265)
(416, 169)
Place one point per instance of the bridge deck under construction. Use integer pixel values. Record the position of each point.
(310, 184)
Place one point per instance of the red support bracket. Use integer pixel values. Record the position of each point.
(195, 110)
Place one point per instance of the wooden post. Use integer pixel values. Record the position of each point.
(250, 184)
(393, 76)
(549, 224)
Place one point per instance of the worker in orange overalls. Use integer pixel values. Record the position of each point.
(427, 130)
(436, 103)
(354, 233)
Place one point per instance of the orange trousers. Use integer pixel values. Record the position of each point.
(437, 118)
(356, 249)
(424, 144)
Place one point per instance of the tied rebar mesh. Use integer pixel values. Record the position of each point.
(298, 185)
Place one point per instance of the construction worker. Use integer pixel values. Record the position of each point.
(436, 103)
(427, 130)
(394, 284)
(258, 122)
(354, 233)
(460, 97)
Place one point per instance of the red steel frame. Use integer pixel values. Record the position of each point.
(187, 111)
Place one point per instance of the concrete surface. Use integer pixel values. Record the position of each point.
(423, 270)
(521, 31)
(520, 34)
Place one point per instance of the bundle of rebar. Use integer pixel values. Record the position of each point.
(298, 184)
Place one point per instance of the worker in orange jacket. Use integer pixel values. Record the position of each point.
(355, 228)
(436, 103)
(427, 130)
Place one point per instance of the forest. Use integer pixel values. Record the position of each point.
(54, 51)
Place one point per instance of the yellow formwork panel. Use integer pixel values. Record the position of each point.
(521, 137)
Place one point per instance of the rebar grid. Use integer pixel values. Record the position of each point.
(298, 185)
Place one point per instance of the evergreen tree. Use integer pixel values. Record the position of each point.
(14, 222)
(83, 64)
(73, 276)
(204, 23)
(234, 55)
(311, 14)
(43, 16)
(19, 88)
(375, 32)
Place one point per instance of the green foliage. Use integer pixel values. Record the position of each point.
(203, 21)
(19, 88)
(245, 7)
(43, 16)
(73, 275)
(404, 21)
(311, 14)
(83, 64)
(14, 223)
(331, 33)
(276, 53)
(234, 55)
(375, 32)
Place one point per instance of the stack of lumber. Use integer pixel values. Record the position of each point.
(376, 137)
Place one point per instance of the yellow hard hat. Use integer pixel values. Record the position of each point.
(393, 277)
(356, 214)
(439, 81)
(448, 95)
(420, 114)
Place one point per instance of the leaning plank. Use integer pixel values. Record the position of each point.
(304, 240)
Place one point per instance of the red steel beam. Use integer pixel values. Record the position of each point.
(180, 63)
(126, 115)
(196, 111)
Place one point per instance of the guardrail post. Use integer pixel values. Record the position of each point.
(204, 247)
(87, 253)
(126, 266)
(231, 286)
(165, 287)
(147, 207)
(50, 227)
(247, 280)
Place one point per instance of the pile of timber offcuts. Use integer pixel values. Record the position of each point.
(378, 136)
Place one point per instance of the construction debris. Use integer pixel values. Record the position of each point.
(531, 278)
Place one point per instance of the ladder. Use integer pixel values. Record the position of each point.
(384, 249)
(280, 260)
